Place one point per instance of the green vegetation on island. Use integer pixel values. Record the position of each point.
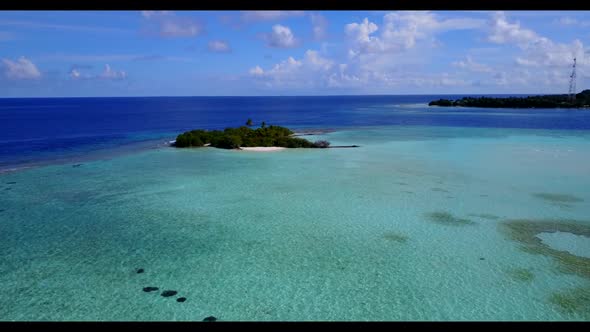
(234, 138)
(545, 101)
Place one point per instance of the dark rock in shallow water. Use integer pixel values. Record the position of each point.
(9, 188)
(150, 289)
(2, 210)
(481, 258)
(168, 293)
(12, 182)
(181, 299)
(210, 319)
(77, 165)
(140, 270)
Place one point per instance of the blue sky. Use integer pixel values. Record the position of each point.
(211, 53)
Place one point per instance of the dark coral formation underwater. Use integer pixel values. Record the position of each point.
(525, 231)
(395, 237)
(446, 218)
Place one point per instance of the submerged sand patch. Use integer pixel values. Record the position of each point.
(578, 245)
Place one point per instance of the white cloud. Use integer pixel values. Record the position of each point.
(111, 74)
(359, 35)
(77, 28)
(341, 78)
(553, 54)
(502, 32)
(314, 71)
(269, 15)
(161, 58)
(445, 81)
(218, 46)
(401, 31)
(21, 69)
(406, 28)
(390, 57)
(572, 21)
(285, 68)
(109, 57)
(155, 13)
(317, 62)
(567, 21)
(319, 24)
(167, 24)
(471, 65)
(107, 74)
(75, 74)
(256, 71)
(88, 57)
(537, 50)
(311, 70)
(511, 78)
(281, 36)
(179, 28)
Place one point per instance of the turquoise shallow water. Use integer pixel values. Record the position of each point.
(336, 234)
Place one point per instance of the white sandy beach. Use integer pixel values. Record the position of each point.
(263, 148)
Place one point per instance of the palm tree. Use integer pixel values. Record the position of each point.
(249, 122)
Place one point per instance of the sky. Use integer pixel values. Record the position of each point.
(279, 53)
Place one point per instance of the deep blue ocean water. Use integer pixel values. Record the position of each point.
(37, 129)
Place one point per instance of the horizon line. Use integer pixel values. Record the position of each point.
(274, 96)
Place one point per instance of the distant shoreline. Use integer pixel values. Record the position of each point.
(581, 101)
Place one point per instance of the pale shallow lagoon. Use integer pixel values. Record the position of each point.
(406, 227)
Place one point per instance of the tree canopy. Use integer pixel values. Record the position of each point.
(231, 138)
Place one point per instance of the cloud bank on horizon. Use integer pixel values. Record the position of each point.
(165, 53)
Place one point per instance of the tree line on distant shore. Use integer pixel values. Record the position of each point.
(545, 101)
(244, 136)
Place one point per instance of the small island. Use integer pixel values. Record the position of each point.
(582, 100)
(246, 137)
